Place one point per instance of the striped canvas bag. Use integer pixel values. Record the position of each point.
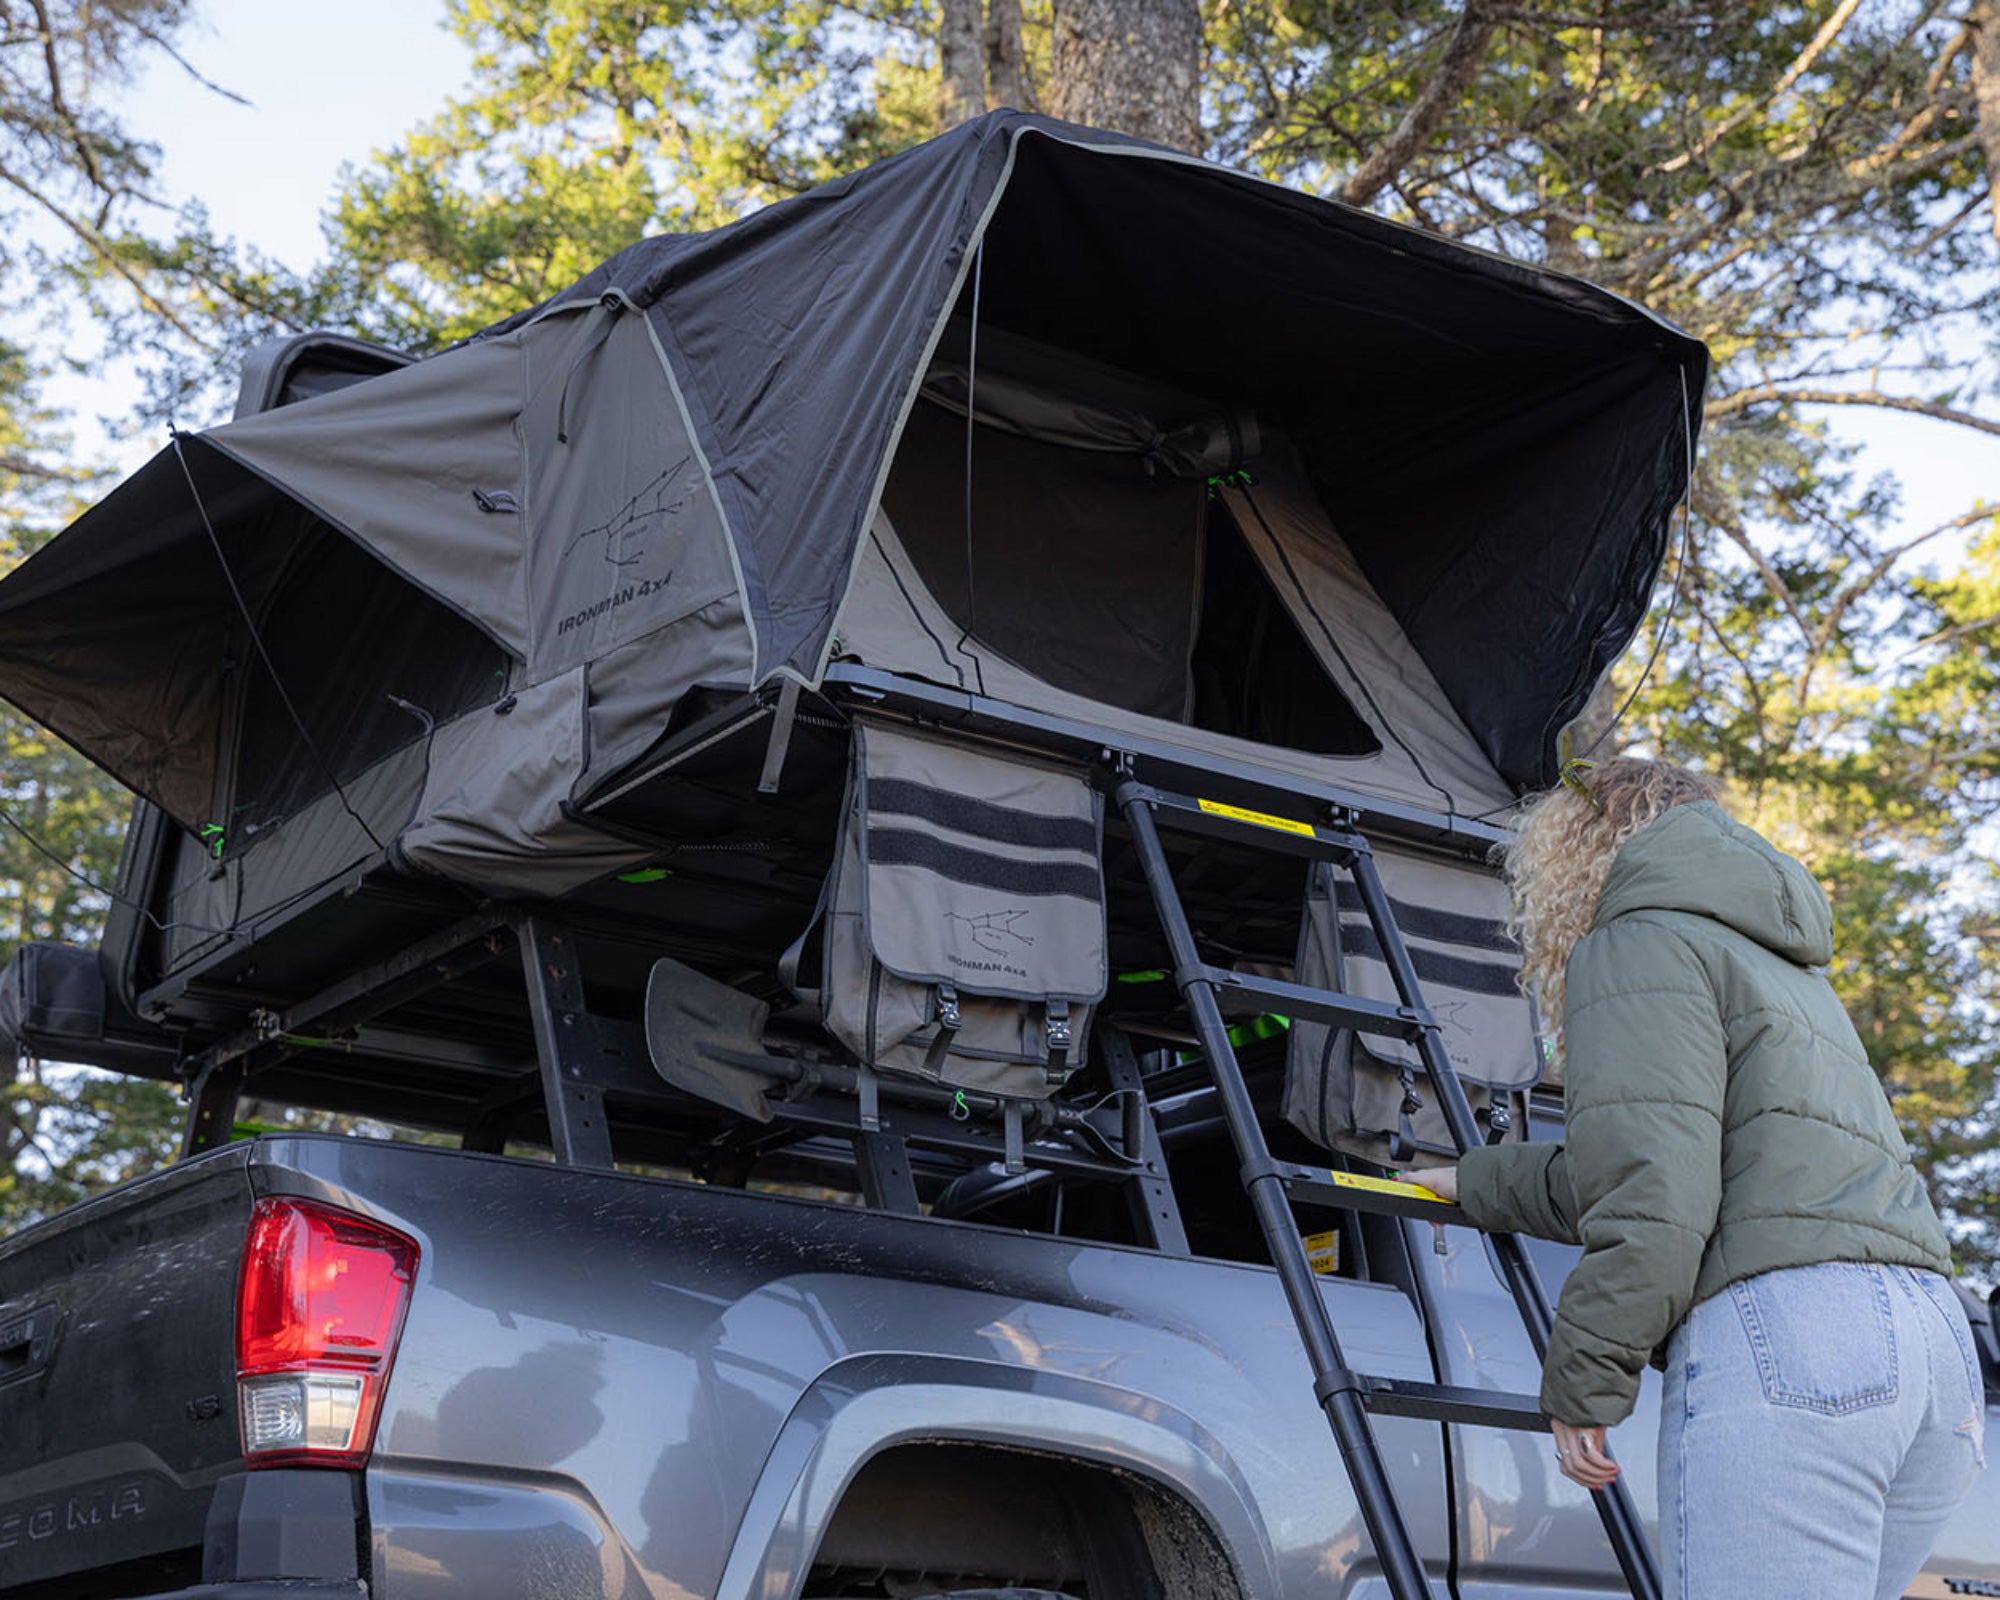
(1368, 1095)
(964, 939)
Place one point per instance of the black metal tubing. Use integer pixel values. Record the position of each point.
(1149, 1191)
(447, 954)
(1295, 1000)
(884, 1167)
(211, 1121)
(1296, 837)
(1321, 1186)
(1339, 1389)
(1443, 1402)
(874, 689)
(1614, 1503)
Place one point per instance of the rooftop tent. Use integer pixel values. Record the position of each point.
(1250, 470)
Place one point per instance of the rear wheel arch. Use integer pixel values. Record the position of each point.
(1182, 1497)
(1016, 1521)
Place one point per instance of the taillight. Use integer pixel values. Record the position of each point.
(318, 1311)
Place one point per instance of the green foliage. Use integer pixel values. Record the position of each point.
(593, 123)
(69, 1132)
(71, 178)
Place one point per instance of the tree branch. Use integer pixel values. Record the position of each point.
(22, 467)
(1829, 31)
(1766, 394)
(1712, 505)
(101, 248)
(1456, 68)
(159, 40)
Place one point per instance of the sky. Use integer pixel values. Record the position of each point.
(329, 84)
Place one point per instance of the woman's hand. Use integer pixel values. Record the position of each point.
(1441, 1181)
(1582, 1456)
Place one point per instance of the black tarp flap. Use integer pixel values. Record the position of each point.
(127, 636)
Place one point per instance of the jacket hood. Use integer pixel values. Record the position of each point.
(1693, 858)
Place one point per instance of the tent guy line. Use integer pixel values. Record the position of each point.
(263, 654)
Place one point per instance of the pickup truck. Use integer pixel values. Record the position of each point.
(523, 1381)
(600, 1273)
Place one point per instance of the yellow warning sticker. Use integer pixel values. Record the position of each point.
(1263, 819)
(1395, 1186)
(1323, 1252)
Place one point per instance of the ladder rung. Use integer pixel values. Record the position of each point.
(1236, 991)
(1268, 831)
(1351, 1191)
(1444, 1402)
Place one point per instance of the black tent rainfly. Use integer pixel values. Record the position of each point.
(1253, 474)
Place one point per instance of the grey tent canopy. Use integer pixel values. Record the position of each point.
(1250, 470)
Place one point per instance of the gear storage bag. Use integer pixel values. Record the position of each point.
(964, 937)
(1352, 1092)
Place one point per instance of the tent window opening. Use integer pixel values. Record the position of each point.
(1127, 586)
(345, 634)
(1254, 674)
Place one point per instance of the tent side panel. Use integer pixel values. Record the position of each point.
(492, 808)
(285, 866)
(1358, 643)
(623, 530)
(114, 634)
(633, 690)
(419, 466)
(840, 292)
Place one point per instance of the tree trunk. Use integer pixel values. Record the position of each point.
(1006, 62)
(1132, 65)
(962, 56)
(1984, 22)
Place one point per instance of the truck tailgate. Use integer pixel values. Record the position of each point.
(117, 1378)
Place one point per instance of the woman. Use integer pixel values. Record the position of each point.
(1746, 1205)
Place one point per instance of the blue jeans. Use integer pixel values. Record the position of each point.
(1817, 1428)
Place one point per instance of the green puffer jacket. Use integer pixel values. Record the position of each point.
(1721, 1117)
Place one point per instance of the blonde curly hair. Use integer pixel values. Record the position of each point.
(1562, 849)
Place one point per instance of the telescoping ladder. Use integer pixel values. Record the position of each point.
(1349, 1397)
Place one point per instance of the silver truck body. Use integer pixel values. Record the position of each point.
(618, 1386)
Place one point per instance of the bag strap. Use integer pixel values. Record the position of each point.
(1055, 1022)
(948, 1024)
(789, 962)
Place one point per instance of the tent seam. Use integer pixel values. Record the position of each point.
(973, 240)
(708, 478)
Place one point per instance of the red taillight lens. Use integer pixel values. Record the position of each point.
(318, 1311)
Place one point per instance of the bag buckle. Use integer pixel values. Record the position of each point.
(1055, 1023)
(947, 1008)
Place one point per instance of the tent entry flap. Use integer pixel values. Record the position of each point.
(1083, 568)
